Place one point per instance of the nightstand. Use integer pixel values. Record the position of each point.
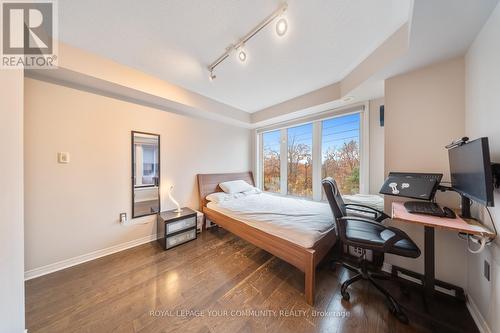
(174, 229)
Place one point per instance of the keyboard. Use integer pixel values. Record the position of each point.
(424, 207)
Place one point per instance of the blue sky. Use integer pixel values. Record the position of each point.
(302, 134)
(271, 140)
(340, 130)
(335, 132)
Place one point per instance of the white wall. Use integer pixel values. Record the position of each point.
(424, 111)
(73, 209)
(377, 173)
(11, 202)
(483, 119)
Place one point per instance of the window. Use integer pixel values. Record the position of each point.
(340, 154)
(271, 161)
(293, 160)
(299, 151)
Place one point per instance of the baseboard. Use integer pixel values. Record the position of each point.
(481, 323)
(34, 273)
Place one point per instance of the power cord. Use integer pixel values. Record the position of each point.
(481, 241)
(494, 226)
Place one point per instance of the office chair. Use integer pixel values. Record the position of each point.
(367, 234)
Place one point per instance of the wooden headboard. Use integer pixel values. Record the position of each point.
(209, 183)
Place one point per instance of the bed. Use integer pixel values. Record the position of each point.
(302, 251)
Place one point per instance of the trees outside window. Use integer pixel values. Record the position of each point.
(271, 161)
(340, 152)
(299, 161)
(326, 148)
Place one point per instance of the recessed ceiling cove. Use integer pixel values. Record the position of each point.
(177, 40)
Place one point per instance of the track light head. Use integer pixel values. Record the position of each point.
(281, 26)
(212, 76)
(242, 56)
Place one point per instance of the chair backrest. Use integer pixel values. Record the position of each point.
(334, 197)
(336, 202)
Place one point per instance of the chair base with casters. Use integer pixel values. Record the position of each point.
(368, 234)
(364, 273)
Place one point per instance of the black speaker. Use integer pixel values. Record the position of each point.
(381, 116)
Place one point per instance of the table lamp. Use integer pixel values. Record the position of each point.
(178, 210)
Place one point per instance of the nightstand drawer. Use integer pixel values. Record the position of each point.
(178, 239)
(177, 226)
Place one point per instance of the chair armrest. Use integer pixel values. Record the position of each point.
(360, 219)
(365, 211)
(368, 209)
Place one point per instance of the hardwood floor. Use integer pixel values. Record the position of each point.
(217, 283)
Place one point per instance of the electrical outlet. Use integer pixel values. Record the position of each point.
(486, 270)
(123, 218)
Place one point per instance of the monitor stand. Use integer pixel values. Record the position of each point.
(466, 203)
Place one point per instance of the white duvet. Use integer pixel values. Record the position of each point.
(302, 222)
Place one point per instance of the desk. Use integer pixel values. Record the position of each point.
(400, 214)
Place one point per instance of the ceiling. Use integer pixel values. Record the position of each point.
(176, 40)
(441, 30)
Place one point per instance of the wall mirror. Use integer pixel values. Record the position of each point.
(145, 174)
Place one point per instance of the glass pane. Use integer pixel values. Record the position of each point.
(340, 152)
(271, 159)
(300, 160)
(149, 164)
(146, 168)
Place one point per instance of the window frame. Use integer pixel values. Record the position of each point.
(259, 180)
(364, 149)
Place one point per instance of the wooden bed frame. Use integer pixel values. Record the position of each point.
(305, 259)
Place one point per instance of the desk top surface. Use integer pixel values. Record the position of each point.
(458, 224)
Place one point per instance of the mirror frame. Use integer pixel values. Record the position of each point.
(132, 158)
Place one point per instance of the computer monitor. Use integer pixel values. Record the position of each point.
(471, 174)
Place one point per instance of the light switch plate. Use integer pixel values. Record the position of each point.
(63, 157)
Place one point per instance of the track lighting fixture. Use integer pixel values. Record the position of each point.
(281, 26)
(281, 29)
(212, 76)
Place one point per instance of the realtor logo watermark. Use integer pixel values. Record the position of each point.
(29, 34)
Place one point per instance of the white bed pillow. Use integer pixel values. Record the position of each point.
(218, 197)
(254, 190)
(235, 186)
(222, 196)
